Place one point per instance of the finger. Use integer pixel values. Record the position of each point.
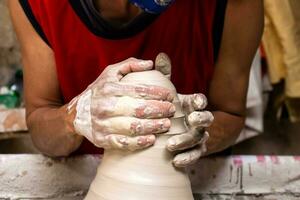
(128, 106)
(185, 141)
(137, 91)
(200, 119)
(163, 64)
(199, 101)
(131, 126)
(188, 158)
(191, 103)
(126, 143)
(152, 109)
(132, 65)
(185, 103)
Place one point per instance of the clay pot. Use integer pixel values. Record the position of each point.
(147, 174)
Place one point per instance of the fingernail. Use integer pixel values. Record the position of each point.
(178, 163)
(146, 141)
(172, 109)
(150, 139)
(123, 140)
(166, 124)
(170, 97)
(200, 101)
(171, 144)
(146, 63)
(141, 141)
(212, 118)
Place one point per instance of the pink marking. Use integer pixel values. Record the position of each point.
(261, 159)
(297, 158)
(274, 159)
(237, 161)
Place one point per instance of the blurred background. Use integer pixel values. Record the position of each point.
(273, 119)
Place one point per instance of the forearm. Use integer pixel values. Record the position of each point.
(52, 131)
(227, 96)
(224, 131)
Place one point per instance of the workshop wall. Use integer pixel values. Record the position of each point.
(10, 57)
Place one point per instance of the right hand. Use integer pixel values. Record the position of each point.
(115, 115)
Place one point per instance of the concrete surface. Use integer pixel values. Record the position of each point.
(38, 177)
(236, 177)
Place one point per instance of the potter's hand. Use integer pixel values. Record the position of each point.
(191, 144)
(114, 115)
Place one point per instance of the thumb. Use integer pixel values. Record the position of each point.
(192, 102)
(163, 64)
(121, 69)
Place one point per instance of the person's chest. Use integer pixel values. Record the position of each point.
(183, 32)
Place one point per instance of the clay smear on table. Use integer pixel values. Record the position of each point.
(146, 174)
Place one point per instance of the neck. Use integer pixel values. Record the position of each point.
(117, 11)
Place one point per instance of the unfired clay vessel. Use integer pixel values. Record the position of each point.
(146, 174)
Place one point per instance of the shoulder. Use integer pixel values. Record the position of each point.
(41, 13)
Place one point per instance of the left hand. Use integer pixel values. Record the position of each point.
(192, 144)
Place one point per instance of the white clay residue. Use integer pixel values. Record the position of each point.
(83, 120)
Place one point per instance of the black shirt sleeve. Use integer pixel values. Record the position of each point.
(218, 25)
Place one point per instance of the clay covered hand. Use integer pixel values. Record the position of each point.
(192, 144)
(108, 108)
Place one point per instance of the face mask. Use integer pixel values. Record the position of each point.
(152, 6)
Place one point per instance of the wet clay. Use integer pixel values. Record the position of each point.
(147, 174)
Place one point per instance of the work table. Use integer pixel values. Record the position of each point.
(33, 176)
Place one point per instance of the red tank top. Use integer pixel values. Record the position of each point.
(184, 32)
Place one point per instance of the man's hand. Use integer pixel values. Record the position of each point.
(191, 145)
(114, 115)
